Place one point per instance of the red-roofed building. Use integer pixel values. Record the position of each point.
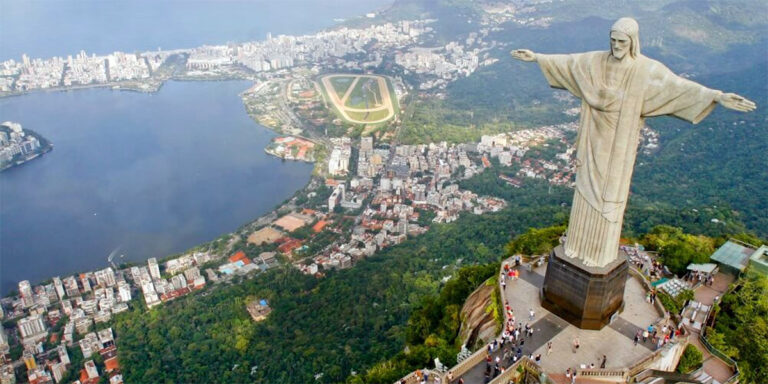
(111, 364)
(333, 183)
(288, 246)
(85, 380)
(318, 227)
(239, 256)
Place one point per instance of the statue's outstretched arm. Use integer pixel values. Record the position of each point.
(524, 55)
(736, 102)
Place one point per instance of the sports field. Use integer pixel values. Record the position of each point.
(360, 99)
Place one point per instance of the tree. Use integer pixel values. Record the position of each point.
(691, 359)
(741, 329)
(678, 249)
(536, 241)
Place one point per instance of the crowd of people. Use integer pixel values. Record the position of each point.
(698, 277)
(657, 336)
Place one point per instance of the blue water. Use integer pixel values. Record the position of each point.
(62, 27)
(143, 175)
(149, 175)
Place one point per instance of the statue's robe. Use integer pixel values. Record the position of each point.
(606, 146)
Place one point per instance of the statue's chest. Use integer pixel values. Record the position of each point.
(612, 85)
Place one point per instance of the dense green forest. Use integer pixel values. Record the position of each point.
(741, 329)
(433, 327)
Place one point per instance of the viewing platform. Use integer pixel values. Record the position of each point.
(624, 358)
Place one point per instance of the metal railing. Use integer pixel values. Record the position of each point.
(467, 364)
(643, 363)
(716, 352)
(647, 284)
(413, 377)
(603, 373)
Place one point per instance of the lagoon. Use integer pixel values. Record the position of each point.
(142, 175)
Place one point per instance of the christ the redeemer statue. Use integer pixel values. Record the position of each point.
(618, 90)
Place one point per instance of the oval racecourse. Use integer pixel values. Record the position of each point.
(360, 99)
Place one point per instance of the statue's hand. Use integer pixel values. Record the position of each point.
(736, 102)
(524, 55)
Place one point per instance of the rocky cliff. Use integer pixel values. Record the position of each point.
(478, 325)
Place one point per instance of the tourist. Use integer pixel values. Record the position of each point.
(531, 314)
(568, 373)
(549, 348)
(645, 336)
(537, 359)
(575, 344)
(602, 364)
(637, 336)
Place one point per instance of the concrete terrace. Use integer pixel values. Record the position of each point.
(616, 341)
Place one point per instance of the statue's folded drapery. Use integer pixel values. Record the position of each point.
(612, 114)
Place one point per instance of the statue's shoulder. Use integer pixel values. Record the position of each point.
(653, 67)
(596, 55)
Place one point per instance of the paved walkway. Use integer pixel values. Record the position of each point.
(706, 295)
(614, 341)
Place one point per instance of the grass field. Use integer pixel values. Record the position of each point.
(341, 84)
(366, 94)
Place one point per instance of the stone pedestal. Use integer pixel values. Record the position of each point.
(584, 296)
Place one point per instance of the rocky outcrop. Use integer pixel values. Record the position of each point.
(477, 326)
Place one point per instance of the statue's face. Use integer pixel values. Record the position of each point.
(620, 44)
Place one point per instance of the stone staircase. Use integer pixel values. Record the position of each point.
(652, 376)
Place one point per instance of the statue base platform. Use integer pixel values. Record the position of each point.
(586, 297)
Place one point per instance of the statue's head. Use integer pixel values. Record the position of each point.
(624, 38)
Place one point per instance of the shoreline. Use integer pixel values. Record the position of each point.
(312, 174)
(46, 149)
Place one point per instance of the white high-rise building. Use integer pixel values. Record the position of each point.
(70, 284)
(32, 328)
(105, 277)
(63, 355)
(154, 269)
(25, 291)
(90, 369)
(86, 283)
(59, 287)
(58, 370)
(124, 291)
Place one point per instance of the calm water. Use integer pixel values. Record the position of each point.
(148, 175)
(61, 27)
